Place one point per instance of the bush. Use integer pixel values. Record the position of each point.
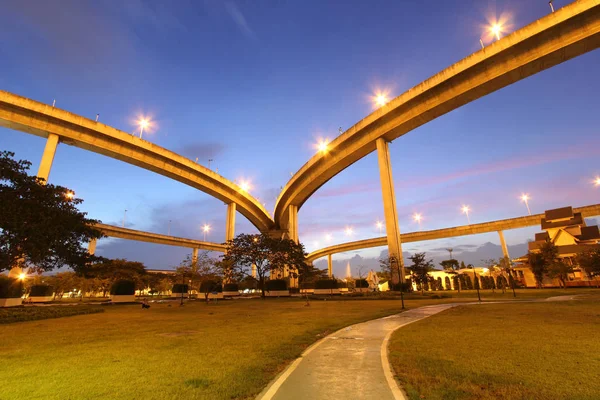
(180, 288)
(210, 287)
(20, 314)
(231, 287)
(10, 288)
(361, 283)
(275, 284)
(308, 285)
(41, 291)
(122, 287)
(326, 284)
(448, 283)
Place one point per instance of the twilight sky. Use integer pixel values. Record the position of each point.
(253, 85)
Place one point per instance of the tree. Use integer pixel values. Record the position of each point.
(589, 261)
(537, 266)
(269, 255)
(200, 269)
(450, 265)
(40, 225)
(556, 267)
(109, 271)
(420, 269)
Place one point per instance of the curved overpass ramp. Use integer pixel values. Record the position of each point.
(464, 230)
(149, 237)
(569, 32)
(40, 119)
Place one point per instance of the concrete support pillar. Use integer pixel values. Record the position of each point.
(92, 246)
(503, 244)
(329, 266)
(293, 222)
(48, 157)
(230, 227)
(254, 271)
(194, 256)
(389, 208)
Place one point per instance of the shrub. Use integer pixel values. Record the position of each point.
(448, 283)
(231, 287)
(180, 288)
(326, 284)
(439, 285)
(10, 288)
(275, 284)
(122, 287)
(20, 314)
(308, 285)
(210, 287)
(361, 283)
(41, 291)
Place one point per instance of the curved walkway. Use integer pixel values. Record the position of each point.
(354, 360)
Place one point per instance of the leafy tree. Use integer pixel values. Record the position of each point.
(420, 269)
(450, 265)
(537, 265)
(40, 225)
(269, 255)
(589, 261)
(109, 271)
(200, 269)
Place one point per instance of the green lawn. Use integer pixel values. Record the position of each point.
(509, 351)
(20, 314)
(217, 351)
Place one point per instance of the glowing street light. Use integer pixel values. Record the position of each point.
(328, 237)
(380, 99)
(22, 276)
(379, 224)
(597, 181)
(496, 30)
(70, 194)
(245, 186)
(205, 229)
(465, 210)
(323, 146)
(143, 123)
(525, 198)
(349, 231)
(417, 217)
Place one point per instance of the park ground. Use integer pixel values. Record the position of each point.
(232, 349)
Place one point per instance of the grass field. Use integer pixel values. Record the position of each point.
(510, 351)
(216, 351)
(20, 314)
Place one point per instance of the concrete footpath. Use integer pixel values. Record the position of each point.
(354, 360)
(351, 360)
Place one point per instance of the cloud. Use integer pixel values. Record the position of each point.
(202, 151)
(239, 19)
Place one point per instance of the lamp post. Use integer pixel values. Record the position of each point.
(551, 5)
(417, 217)
(169, 231)
(379, 225)
(525, 198)
(465, 210)
(205, 229)
(143, 123)
(476, 283)
(124, 215)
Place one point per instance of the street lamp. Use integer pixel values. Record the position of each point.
(323, 146)
(496, 30)
(379, 224)
(525, 198)
(70, 194)
(124, 215)
(244, 186)
(143, 123)
(551, 5)
(380, 99)
(597, 181)
(349, 231)
(328, 237)
(22, 276)
(465, 210)
(417, 217)
(205, 229)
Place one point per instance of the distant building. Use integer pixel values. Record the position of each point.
(568, 231)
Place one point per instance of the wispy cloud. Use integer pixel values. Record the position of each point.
(239, 19)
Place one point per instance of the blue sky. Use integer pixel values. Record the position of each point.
(253, 85)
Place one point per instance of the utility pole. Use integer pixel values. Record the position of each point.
(124, 215)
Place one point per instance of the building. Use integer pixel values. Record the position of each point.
(568, 231)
